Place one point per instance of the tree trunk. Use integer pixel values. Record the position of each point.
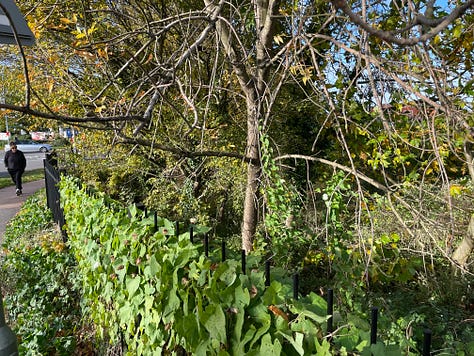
(250, 215)
(464, 250)
(469, 155)
(254, 85)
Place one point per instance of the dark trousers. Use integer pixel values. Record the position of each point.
(16, 177)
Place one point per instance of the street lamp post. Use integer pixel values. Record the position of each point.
(8, 343)
(13, 30)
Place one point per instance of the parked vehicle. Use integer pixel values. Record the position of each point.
(30, 146)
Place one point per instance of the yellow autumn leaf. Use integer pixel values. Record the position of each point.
(66, 21)
(306, 72)
(278, 39)
(455, 190)
(91, 29)
(102, 53)
(100, 109)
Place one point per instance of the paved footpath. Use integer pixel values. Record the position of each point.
(10, 204)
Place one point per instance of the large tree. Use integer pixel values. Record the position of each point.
(173, 76)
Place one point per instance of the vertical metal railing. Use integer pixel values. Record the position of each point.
(52, 177)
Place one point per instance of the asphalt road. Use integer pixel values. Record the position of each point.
(33, 161)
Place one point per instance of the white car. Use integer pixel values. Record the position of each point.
(30, 146)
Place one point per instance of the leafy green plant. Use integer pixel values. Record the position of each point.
(156, 289)
(161, 294)
(287, 238)
(38, 275)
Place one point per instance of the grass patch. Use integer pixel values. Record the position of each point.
(29, 176)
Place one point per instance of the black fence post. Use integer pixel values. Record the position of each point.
(267, 273)
(52, 178)
(191, 234)
(155, 221)
(373, 325)
(244, 262)
(427, 342)
(176, 229)
(206, 244)
(46, 184)
(223, 250)
(296, 285)
(330, 310)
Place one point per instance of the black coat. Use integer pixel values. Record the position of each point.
(15, 160)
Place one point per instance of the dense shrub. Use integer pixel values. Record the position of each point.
(38, 275)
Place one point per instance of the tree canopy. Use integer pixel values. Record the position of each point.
(226, 103)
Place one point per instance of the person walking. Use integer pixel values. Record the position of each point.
(15, 163)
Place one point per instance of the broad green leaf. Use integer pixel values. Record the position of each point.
(323, 348)
(378, 349)
(125, 313)
(348, 338)
(154, 266)
(242, 296)
(269, 348)
(317, 318)
(188, 328)
(132, 285)
(238, 347)
(213, 319)
(296, 342)
(226, 273)
(172, 304)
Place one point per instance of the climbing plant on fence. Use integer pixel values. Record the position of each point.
(155, 290)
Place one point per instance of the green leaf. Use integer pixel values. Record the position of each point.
(154, 266)
(296, 342)
(317, 318)
(393, 350)
(226, 273)
(238, 348)
(242, 296)
(188, 328)
(378, 349)
(322, 349)
(318, 304)
(213, 319)
(349, 338)
(125, 313)
(269, 348)
(132, 285)
(173, 303)
(238, 323)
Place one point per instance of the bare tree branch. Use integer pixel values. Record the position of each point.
(436, 25)
(360, 175)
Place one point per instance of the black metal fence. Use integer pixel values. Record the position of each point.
(52, 177)
(427, 334)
